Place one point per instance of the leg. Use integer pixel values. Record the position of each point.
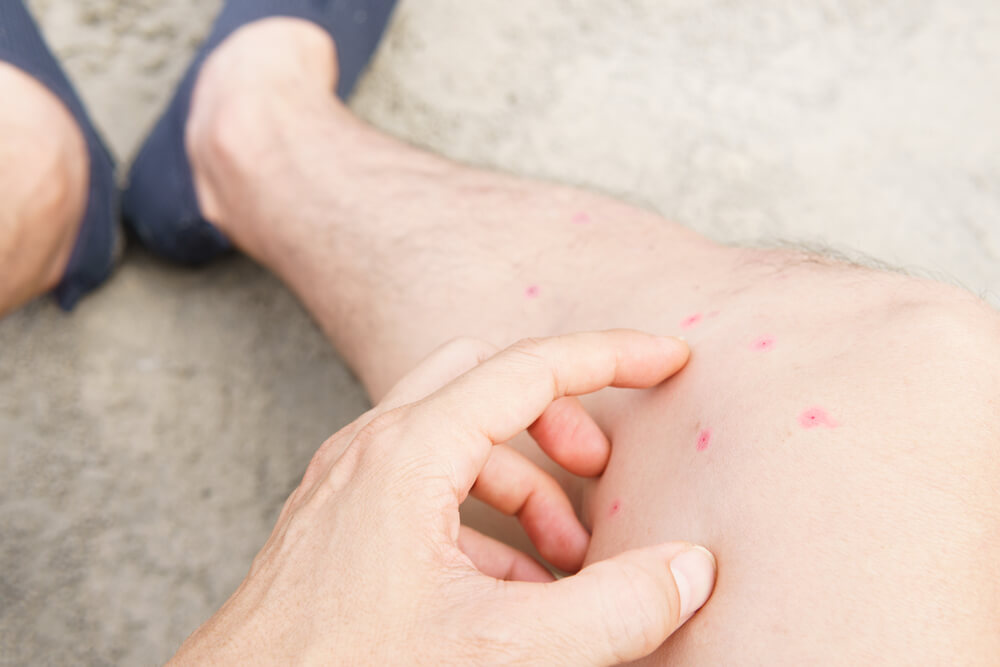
(43, 187)
(484, 234)
(833, 440)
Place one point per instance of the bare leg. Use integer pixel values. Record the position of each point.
(43, 187)
(443, 239)
(833, 440)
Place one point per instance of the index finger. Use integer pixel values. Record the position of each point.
(504, 395)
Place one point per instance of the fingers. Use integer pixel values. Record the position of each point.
(505, 394)
(620, 609)
(499, 561)
(514, 485)
(439, 368)
(571, 438)
(565, 431)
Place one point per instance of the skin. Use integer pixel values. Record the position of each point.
(43, 184)
(404, 591)
(866, 542)
(871, 539)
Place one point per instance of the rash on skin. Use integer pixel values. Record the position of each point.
(814, 417)
(616, 507)
(691, 320)
(704, 438)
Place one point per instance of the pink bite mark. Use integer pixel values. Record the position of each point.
(581, 219)
(704, 438)
(532, 291)
(814, 417)
(762, 344)
(691, 320)
(615, 508)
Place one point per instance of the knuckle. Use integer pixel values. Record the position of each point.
(333, 448)
(639, 613)
(378, 427)
(516, 638)
(529, 347)
(317, 464)
(340, 457)
(392, 448)
(564, 420)
(366, 417)
(470, 347)
(531, 354)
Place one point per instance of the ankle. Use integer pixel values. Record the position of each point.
(283, 52)
(250, 93)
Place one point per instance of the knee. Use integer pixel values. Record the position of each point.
(952, 325)
(37, 232)
(43, 178)
(951, 342)
(922, 354)
(44, 165)
(51, 193)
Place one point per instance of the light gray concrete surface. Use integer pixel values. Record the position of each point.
(148, 440)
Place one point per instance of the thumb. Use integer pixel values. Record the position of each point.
(620, 609)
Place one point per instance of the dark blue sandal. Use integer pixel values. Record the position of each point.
(160, 203)
(97, 245)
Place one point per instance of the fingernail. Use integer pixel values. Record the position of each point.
(675, 342)
(694, 572)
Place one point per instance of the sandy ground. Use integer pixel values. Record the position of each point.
(148, 440)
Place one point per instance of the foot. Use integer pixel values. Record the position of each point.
(258, 51)
(254, 91)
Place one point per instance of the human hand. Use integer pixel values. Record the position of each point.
(368, 562)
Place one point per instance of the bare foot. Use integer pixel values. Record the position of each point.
(251, 90)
